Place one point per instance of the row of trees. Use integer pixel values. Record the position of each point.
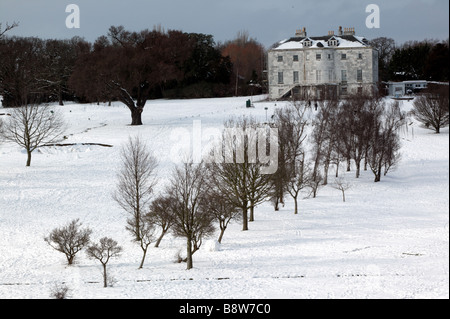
(413, 60)
(71, 239)
(230, 184)
(37, 71)
(128, 66)
(248, 58)
(188, 206)
(342, 130)
(360, 132)
(136, 66)
(133, 67)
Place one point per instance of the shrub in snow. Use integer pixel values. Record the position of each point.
(59, 291)
(69, 239)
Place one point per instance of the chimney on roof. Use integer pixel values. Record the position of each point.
(301, 33)
(330, 32)
(349, 31)
(340, 30)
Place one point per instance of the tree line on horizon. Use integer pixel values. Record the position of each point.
(133, 67)
(413, 60)
(122, 64)
(170, 64)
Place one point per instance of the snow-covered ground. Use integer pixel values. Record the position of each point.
(388, 240)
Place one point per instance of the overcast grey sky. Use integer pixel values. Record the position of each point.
(266, 20)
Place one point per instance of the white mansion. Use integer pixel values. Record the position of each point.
(316, 67)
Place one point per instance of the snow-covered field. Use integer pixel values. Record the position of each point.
(388, 240)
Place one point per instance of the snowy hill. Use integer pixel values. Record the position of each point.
(388, 240)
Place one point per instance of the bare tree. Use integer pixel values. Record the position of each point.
(232, 181)
(252, 141)
(341, 184)
(291, 176)
(7, 28)
(259, 187)
(21, 64)
(58, 59)
(188, 190)
(432, 107)
(242, 175)
(331, 151)
(320, 139)
(136, 181)
(353, 127)
(315, 182)
(103, 251)
(291, 123)
(133, 65)
(384, 144)
(146, 236)
(223, 210)
(300, 178)
(161, 214)
(69, 239)
(31, 126)
(386, 48)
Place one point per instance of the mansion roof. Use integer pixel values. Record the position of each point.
(330, 41)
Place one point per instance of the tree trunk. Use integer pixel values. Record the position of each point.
(337, 169)
(60, 98)
(189, 254)
(28, 157)
(358, 168)
(377, 178)
(136, 116)
(143, 257)
(252, 216)
(222, 231)
(295, 205)
(276, 204)
(245, 219)
(160, 238)
(105, 284)
(366, 159)
(378, 173)
(70, 260)
(343, 195)
(325, 173)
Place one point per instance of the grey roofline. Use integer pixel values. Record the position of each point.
(326, 38)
